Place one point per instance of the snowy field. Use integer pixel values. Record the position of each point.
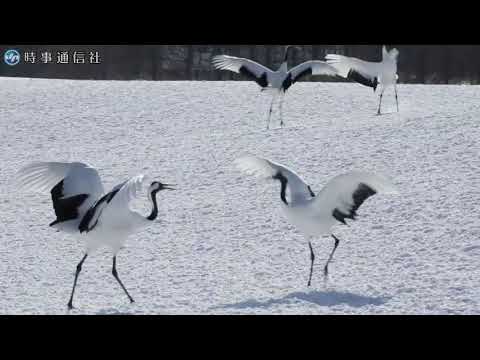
(221, 245)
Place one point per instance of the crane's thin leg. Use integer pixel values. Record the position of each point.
(282, 100)
(337, 242)
(270, 112)
(380, 105)
(396, 97)
(312, 257)
(79, 268)
(115, 274)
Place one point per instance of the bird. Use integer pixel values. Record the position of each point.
(278, 82)
(372, 74)
(84, 210)
(315, 214)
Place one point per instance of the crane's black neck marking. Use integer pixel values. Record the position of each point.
(65, 208)
(284, 181)
(362, 193)
(84, 225)
(356, 76)
(312, 194)
(154, 213)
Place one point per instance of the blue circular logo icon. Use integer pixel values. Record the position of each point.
(11, 57)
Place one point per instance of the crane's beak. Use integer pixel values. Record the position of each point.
(168, 187)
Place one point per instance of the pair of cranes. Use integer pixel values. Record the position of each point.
(84, 210)
(372, 74)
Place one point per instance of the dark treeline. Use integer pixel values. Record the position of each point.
(438, 64)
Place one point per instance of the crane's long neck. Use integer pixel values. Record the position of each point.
(154, 213)
(284, 66)
(283, 191)
(287, 49)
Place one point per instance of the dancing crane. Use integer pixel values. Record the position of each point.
(278, 82)
(316, 214)
(372, 74)
(82, 208)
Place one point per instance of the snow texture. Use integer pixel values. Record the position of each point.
(221, 244)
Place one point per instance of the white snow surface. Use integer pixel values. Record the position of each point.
(221, 244)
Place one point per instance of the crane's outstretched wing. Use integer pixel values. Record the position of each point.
(74, 188)
(114, 207)
(363, 72)
(299, 190)
(251, 69)
(343, 196)
(308, 68)
(314, 67)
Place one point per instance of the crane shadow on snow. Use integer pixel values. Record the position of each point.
(122, 310)
(329, 298)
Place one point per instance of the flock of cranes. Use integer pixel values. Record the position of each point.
(83, 209)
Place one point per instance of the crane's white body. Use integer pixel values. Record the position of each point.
(276, 78)
(113, 232)
(308, 219)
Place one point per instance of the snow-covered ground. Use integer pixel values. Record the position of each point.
(221, 244)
